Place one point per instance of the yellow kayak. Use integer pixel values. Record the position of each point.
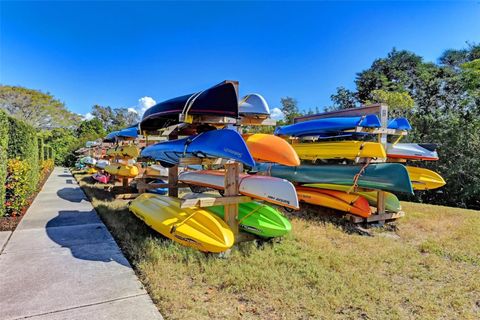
(128, 152)
(339, 149)
(424, 179)
(191, 227)
(91, 170)
(122, 170)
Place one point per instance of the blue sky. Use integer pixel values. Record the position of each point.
(114, 53)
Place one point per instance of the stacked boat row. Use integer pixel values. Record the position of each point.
(335, 145)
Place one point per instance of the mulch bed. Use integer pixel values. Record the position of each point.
(10, 223)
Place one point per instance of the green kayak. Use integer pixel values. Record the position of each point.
(381, 176)
(391, 201)
(259, 219)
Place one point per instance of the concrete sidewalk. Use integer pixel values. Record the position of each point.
(62, 263)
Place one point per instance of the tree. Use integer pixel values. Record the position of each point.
(114, 118)
(38, 109)
(343, 99)
(289, 109)
(90, 130)
(399, 103)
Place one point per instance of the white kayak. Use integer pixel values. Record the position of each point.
(101, 164)
(412, 151)
(89, 160)
(253, 105)
(274, 190)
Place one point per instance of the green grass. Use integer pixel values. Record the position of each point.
(428, 267)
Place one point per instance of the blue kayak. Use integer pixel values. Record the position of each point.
(130, 132)
(319, 126)
(399, 124)
(160, 191)
(225, 143)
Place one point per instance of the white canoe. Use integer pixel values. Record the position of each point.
(101, 164)
(89, 160)
(412, 151)
(274, 190)
(253, 105)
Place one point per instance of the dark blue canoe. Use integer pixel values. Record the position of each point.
(320, 126)
(219, 100)
(225, 143)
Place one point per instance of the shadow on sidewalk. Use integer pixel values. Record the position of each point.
(82, 233)
(72, 194)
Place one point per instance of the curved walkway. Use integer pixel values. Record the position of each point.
(62, 263)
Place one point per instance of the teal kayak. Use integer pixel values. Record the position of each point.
(382, 176)
(259, 219)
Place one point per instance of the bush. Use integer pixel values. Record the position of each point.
(18, 187)
(3, 157)
(41, 150)
(45, 168)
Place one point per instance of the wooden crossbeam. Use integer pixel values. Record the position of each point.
(205, 201)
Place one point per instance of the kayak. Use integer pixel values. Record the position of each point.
(191, 227)
(161, 191)
(122, 170)
(91, 170)
(424, 179)
(318, 126)
(225, 143)
(127, 152)
(254, 105)
(129, 133)
(259, 219)
(339, 150)
(337, 200)
(270, 189)
(382, 176)
(413, 151)
(88, 160)
(391, 201)
(219, 100)
(101, 164)
(270, 148)
(102, 178)
(399, 124)
(156, 171)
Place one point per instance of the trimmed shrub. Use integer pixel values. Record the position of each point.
(22, 146)
(18, 187)
(3, 158)
(41, 150)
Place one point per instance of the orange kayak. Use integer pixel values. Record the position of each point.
(337, 200)
(270, 148)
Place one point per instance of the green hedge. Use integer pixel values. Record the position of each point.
(41, 150)
(3, 158)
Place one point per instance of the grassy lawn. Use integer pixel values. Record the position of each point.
(428, 267)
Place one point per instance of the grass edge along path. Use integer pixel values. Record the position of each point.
(429, 268)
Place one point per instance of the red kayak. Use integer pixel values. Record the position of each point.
(102, 178)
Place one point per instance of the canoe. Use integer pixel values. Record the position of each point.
(254, 105)
(102, 178)
(424, 179)
(382, 176)
(122, 170)
(399, 124)
(337, 200)
(191, 227)
(270, 148)
(101, 164)
(391, 201)
(225, 143)
(259, 219)
(339, 150)
(129, 133)
(219, 100)
(273, 190)
(413, 151)
(319, 126)
(127, 152)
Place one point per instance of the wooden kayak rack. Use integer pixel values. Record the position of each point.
(379, 216)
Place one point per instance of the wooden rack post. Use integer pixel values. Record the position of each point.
(232, 172)
(173, 174)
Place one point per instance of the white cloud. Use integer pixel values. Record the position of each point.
(276, 114)
(88, 116)
(143, 104)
